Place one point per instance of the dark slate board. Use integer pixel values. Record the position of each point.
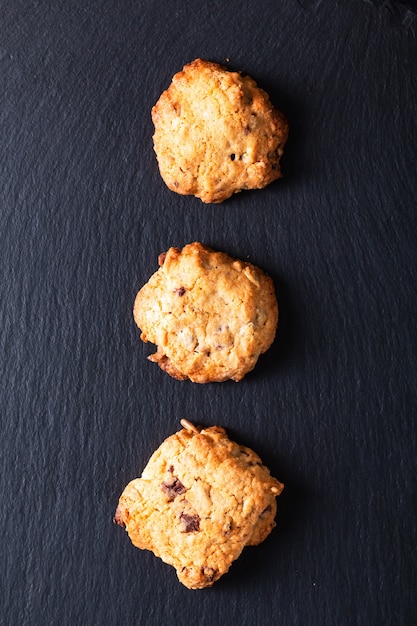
(331, 408)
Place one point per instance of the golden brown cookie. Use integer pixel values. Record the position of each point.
(210, 315)
(216, 133)
(201, 499)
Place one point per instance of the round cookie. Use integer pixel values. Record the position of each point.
(217, 133)
(210, 315)
(200, 500)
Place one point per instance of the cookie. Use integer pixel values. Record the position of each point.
(217, 133)
(210, 316)
(200, 500)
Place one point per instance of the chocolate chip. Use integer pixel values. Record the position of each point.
(173, 489)
(180, 291)
(189, 523)
(209, 573)
(232, 157)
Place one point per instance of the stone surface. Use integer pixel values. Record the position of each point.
(84, 214)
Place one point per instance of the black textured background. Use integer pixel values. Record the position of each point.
(331, 408)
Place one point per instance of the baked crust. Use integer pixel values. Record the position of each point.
(200, 500)
(210, 316)
(217, 133)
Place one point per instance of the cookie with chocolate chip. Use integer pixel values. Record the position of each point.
(217, 133)
(200, 500)
(210, 315)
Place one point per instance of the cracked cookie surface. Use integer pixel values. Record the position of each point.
(210, 316)
(217, 133)
(200, 500)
